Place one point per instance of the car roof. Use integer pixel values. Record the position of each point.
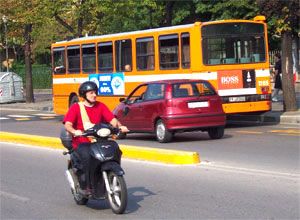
(172, 81)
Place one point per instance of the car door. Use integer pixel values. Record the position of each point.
(153, 105)
(132, 113)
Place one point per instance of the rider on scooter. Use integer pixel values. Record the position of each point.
(97, 112)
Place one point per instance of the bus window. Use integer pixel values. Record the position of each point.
(123, 54)
(232, 43)
(168, 51)
(73, 54)
(59, 63)
(88, 58)
(145, 53)
(105, 57)
(185, 50)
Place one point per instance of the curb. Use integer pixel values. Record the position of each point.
(131, 152)
(270, 117)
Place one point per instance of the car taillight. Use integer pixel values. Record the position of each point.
(264, 89)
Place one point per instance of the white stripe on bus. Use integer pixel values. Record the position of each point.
(262, 73)
(145, 78)
(227, 92)
(153, 77)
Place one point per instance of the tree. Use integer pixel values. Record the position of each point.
(285, 15)
(23, 16)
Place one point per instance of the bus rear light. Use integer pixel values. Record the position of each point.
(264, 89)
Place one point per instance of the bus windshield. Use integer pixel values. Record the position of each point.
(233, 43)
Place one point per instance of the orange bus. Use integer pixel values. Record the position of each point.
(231, 54)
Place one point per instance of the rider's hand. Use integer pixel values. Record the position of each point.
(123, 129)
(77, 133)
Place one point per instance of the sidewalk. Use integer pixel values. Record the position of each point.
(43, 102)
(276, 115)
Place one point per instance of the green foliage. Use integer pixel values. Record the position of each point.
(41, 75)
(283, 16)
(56, 20)
(226, 9)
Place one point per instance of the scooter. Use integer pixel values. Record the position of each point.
(106, 174)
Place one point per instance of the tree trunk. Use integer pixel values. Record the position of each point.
(28, 67)
(288, 87)
(169, 12)
(295, 49)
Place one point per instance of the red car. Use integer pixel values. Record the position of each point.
(169, 106)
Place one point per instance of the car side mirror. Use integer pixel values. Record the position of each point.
(122, 99)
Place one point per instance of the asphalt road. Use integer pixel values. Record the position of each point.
(263, 147)
(33, 186)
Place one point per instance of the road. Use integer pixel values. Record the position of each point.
(262, 147)
(33, 186)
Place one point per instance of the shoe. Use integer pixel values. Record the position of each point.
(85, 192)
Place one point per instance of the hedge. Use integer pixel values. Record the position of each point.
(41, 75)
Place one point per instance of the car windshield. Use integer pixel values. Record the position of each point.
(191, 89)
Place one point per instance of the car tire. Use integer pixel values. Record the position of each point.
(73, 100)
(216, 133)
(162, 133)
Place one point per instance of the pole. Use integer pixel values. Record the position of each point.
(11, 84)
(4, 18)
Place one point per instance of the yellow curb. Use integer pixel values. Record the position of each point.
(132, 152)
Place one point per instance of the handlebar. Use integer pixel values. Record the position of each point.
(94, 131)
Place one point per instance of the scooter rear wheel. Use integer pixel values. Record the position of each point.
(118, 198)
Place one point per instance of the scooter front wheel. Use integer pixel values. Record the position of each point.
(117, 198)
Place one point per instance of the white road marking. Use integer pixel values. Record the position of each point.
(45, 114)
(3, 118)
(211, 165)
(14, 196)
(20, 116)
(201, 165)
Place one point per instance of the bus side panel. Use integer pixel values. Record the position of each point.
(246, 107)
(61, 95)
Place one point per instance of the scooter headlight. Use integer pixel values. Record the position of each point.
(103, 132)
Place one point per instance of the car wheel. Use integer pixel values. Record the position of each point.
(162, 134)
(73, 100)
(216, 133)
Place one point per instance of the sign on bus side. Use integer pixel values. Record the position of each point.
(109, 83)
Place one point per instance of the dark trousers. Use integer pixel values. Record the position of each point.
(84, 154)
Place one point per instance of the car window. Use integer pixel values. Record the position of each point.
(192, 89)
(138, 95)
(155, 91)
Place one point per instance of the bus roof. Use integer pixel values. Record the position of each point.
(151, 30)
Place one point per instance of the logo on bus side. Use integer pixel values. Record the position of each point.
(236, 79)
(230, 79)
(109, 83)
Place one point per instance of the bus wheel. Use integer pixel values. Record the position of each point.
(73, 100)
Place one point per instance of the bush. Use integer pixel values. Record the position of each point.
(41, 75)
